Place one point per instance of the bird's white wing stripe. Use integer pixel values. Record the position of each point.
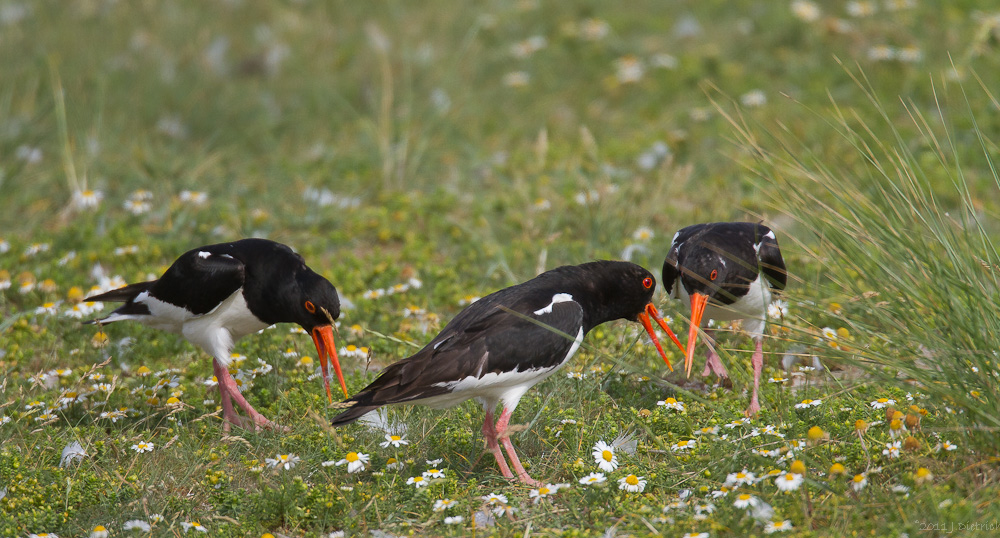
(203, 254)
(557, 298)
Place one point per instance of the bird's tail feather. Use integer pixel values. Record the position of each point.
(125, 293)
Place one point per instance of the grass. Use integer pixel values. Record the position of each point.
(383, 143)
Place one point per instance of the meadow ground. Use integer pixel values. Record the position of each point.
(423, 154)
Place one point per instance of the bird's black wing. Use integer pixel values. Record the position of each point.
(491, 339)
(200, 280)
(771, 262)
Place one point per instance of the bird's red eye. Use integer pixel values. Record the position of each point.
(714, 275)
(647, 282)
(310, 307)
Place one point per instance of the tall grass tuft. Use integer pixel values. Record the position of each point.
(904, 239)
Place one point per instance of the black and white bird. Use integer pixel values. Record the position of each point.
(503, 344)
(216, 294)
(728, 271)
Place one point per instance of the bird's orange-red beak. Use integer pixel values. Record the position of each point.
(652, 313)
(327, 350)
(698, 302)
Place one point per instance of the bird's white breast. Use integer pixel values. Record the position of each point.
(216, 331)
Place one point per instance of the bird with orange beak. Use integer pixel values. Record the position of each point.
(216, 294)
(505, 343)
(727, 271)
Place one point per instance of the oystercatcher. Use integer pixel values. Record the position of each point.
(503, 344)
(728, 270)
(216, 294)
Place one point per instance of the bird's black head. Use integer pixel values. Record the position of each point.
(318, 306)
(705, 272)
(613, 290)
(317, 302)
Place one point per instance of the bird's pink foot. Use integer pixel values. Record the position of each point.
(714, 365)
(229, 392)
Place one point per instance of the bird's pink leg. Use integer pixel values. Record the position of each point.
(714, 363)
(491, 444)
(501, 431)
(229, 416)
(757, 360)
(228, 388)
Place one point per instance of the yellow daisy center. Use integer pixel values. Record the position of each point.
(391, 461)
(395, 437)
(858, 478)
(351, 457)
(744, 497)
(544, 490)
(632, 480)
(789, 476)
(607, 455)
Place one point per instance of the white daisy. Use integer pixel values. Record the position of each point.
(593, 478)
(394, 440)
(283, 460)
(355, 462)
(740, 478)
(892, 449)
(542, 492)
(433, 473)
(604, 456)
(744, 500)
(671, 403)
(195, 525)
(133, 524)
(494, 499)
(881, 403)
(632, 483)
(681, 446)
(778, 309)
(789, 481)
(778, 526)
(441, 505)
(417, 481)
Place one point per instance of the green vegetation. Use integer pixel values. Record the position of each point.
(469, 146)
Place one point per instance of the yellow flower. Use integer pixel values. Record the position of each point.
(860, 426)
(798, 467)
(815, 433)
(75, 294)
(100, 339)
(837, 468)
(922, 475)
